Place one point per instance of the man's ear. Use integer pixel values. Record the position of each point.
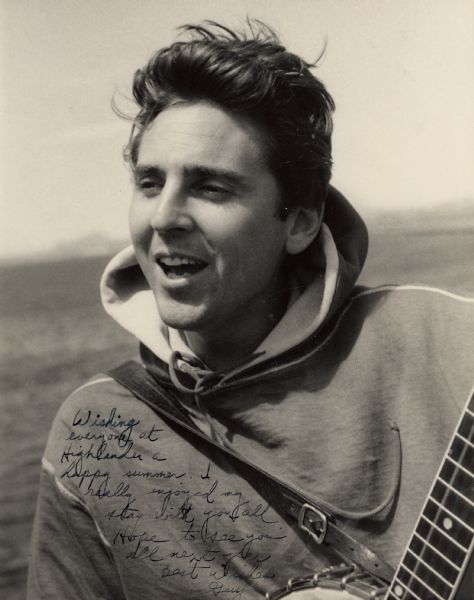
(302, 226)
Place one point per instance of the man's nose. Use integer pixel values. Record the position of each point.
(171, 210)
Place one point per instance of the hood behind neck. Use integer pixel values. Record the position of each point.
(323, 275)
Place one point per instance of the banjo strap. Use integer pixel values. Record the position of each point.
(312, 517)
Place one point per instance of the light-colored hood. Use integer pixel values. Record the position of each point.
(323, 277)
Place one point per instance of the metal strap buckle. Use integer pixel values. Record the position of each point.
(296, 584)
(319, 525)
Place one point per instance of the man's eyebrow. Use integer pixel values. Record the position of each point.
(146, 171)
(228, 174)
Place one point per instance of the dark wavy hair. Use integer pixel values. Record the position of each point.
(252, 75)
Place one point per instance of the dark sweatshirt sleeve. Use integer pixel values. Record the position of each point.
(69, 558)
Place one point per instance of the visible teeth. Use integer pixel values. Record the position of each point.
(170, 261)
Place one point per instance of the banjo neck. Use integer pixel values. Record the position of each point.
(440, 549)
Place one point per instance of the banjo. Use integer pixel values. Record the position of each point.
(438, 561)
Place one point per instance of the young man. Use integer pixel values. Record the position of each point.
(240, 286)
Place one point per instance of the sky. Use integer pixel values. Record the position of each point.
(401, 73)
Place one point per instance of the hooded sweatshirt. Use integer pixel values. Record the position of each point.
(352, 399)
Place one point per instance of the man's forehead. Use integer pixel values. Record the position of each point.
(203, 135)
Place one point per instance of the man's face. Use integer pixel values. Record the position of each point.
(203, 218)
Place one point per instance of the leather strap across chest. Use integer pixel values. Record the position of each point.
(312, 516)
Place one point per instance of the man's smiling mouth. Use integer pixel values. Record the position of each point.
(180, 266)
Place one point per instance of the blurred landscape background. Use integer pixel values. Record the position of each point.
(55, 335)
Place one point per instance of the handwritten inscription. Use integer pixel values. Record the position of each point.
(176, 515)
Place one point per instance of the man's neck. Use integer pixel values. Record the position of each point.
(232, 344)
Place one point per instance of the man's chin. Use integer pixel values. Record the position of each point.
(183, 317)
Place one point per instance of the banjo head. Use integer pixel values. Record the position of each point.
(320, 594)
(341, 582)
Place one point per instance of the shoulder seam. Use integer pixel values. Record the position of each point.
(71, 497)
(414, 287)
(93, 382)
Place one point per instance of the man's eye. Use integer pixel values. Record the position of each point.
(149, 187)
(211, 191)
